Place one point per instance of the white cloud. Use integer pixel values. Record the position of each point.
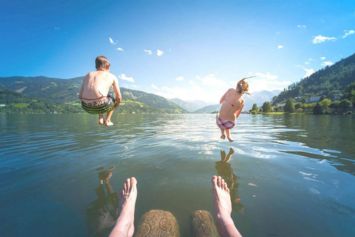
(327, 63)
(266, 75)
(301, 26)
(124, 77)
(112, 41)
(120, 49)
(321, 39)
(308, 71)
(148, 51)
(180, 78)
(323, 58)
(348, 33)
(210, 87)
(206, 88)
(160, 52)
(155, 87)
(280, 46)
(266, 81)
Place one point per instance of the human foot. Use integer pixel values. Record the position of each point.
(108, 123)
(223, 136)
(101, 120)
(223, 208)
(125, 222)
(230, 139)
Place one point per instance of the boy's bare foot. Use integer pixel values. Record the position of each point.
(223, 208)
(101, 119)
(108, 123)
(125, 222)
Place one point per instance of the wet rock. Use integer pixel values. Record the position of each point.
(203, 224)
(158, 223)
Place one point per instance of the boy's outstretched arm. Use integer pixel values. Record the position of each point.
(116, 90)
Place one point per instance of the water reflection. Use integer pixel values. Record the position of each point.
(103, 212)
(225, 170)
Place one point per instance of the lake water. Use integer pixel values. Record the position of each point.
(289, 175)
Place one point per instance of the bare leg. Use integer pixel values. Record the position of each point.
(229, 135)
(223, 208)
(125, 223)
(222, 134)
(101, 119)
(229, 155)
(108, 118)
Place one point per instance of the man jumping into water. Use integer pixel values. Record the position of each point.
(232, 105)
(221, 198)
(94, 93)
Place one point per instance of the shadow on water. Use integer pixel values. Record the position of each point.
(103, 212)
(225, 170)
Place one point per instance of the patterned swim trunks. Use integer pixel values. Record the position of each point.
(224, 124)
(101, 106)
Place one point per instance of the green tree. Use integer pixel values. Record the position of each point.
(318, 109)
(254, 109)
(325, 103)
(345, 105)
(289, 106)
(267, 107)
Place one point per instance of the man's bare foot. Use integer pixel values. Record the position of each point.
(125, 222)
(223, 208)
(108, 123)
(101, 119)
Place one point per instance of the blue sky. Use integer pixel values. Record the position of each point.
(186, 49)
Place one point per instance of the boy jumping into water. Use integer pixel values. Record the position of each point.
(94, 93)
(231, 106)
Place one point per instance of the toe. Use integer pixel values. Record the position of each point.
(214, 180)
(133, 182)
(219, 181)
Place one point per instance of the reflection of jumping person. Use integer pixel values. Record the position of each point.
(103, 212)
(231, 107)
(221, 198)
(225, 170)
(94, 93)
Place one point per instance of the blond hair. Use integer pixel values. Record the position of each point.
(243, 86)
(101, 62)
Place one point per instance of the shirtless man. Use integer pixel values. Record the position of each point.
(94, 93)
(231, 106)
(221, 199)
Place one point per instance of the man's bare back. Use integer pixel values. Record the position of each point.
(94, 93)
(97, 84)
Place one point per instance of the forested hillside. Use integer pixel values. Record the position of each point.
(333, 82)
(54, 95)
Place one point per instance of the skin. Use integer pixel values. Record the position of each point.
(221, 199)
(125, 223)
(231, 106)
(223, 208)
(95, 88)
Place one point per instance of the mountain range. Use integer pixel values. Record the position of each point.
(43, 94)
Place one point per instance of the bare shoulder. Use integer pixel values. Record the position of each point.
(113, 78)
(89, 75)
(230, 91)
